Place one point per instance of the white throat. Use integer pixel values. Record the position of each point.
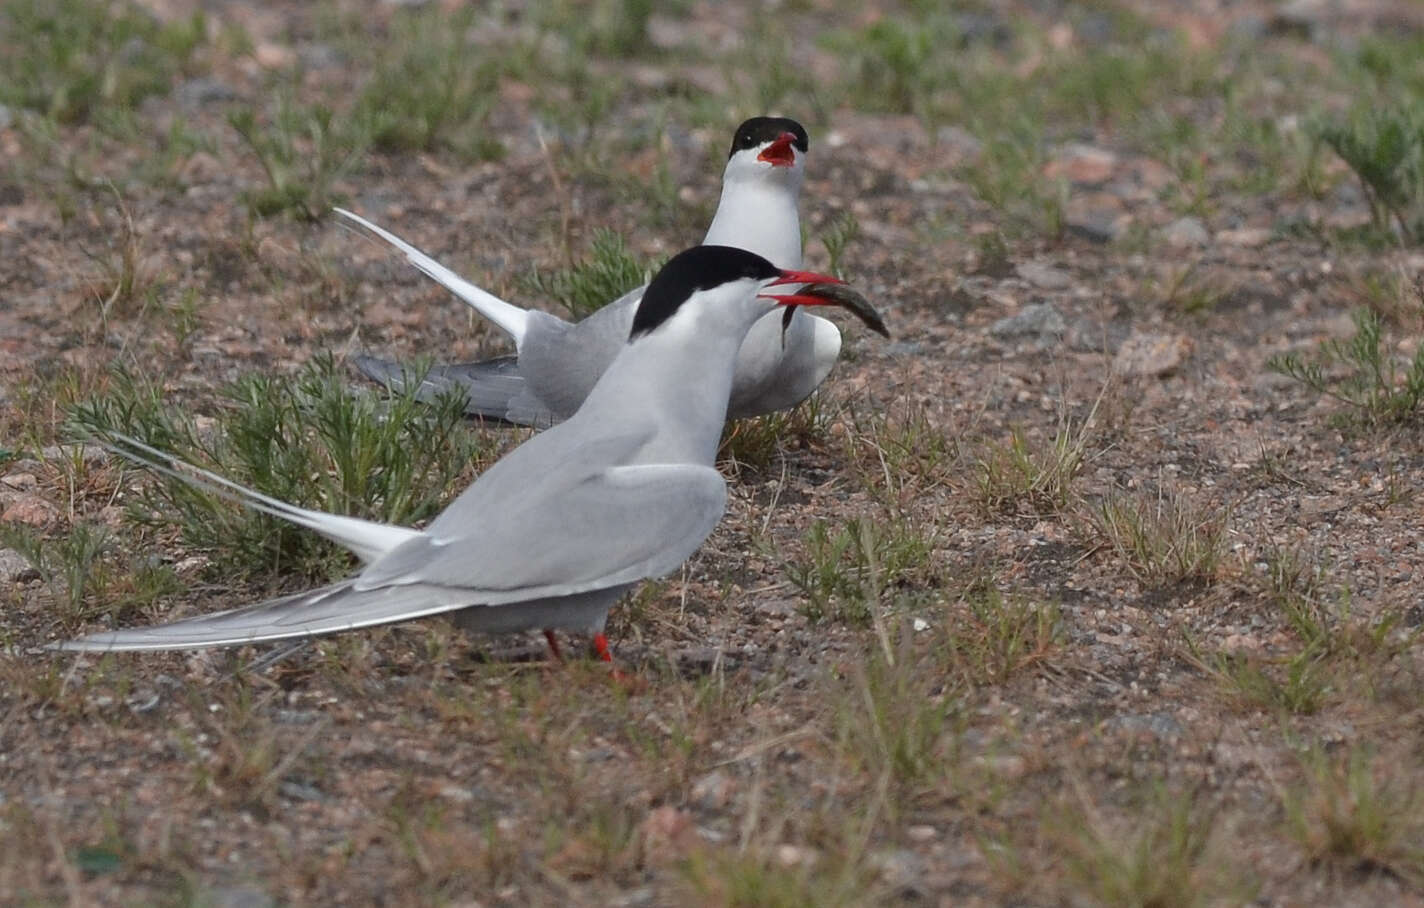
(757, 211)
(680, 375)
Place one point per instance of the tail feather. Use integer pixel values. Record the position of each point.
(367, 539)
(489, 387)
(510, 318)
(328, 610)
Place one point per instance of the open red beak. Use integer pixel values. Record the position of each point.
(779, 153)
(823, 290)
(800, 277)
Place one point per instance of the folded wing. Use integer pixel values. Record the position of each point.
(614, 526)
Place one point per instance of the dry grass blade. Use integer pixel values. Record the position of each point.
(1163, 539)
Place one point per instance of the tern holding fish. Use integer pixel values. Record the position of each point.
(556, 531)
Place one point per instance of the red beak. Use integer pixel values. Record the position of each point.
(779, 153)
(800, 277)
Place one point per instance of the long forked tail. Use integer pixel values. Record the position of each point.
(510, 318)
(366, 539)
(492, 388)
(329, 610)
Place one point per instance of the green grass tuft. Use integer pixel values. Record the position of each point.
(431, 89)
(304, 150)
(1384, 147)
(1167, 853)
(70, 59)
(1164, 539)
(1038, 479)
(1376, 388)
(1299, 689)
(898, 65)
(1350, 813)
(756, 442)
(895, 722)
(306, 439)
(997, 636)
(1009, 175)
(843, 230)
(847, 569)
(609, 271)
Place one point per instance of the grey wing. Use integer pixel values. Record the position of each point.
(328, 610)
(557, 366)
(628, 524)
(562, 362)
(490, 387)
(615, 526)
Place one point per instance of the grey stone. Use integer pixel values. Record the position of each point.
(1083, 164)
(169, 682)
(900, 867)
(89, 454)
(1303, 17)
(1152, 354)
(1160, 725)
(16, 568)
(319, 55)
(633, 898)
(985, 28)
(713, 791)
(134, 49)
(905, 348)
(300, 791)
(204, 90)
(963, 143)
(1043, 276)
(1096, 336)
(297, 716)
(1186, 232)
(144, 701)
(1247, 237)
(783, 607)
(1039, 320)
(237, 897)
(6, 117)
(1100, 226)
(1248, 28)
(1096, 29)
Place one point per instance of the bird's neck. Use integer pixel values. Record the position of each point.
(680, 375)
(759, 216)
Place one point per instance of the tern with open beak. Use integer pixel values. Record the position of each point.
(557, 530)
(557, 362)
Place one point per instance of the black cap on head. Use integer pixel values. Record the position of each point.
(758, 130)
(698, 268)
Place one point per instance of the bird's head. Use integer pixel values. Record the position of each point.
(723, 285)
(768, 149)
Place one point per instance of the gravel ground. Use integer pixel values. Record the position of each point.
(1142, 625)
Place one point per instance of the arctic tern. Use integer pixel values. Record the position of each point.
(556, 531)
(557, 362)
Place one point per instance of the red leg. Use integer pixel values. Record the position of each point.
(553, 644)
(629, 682)
(600, 646)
